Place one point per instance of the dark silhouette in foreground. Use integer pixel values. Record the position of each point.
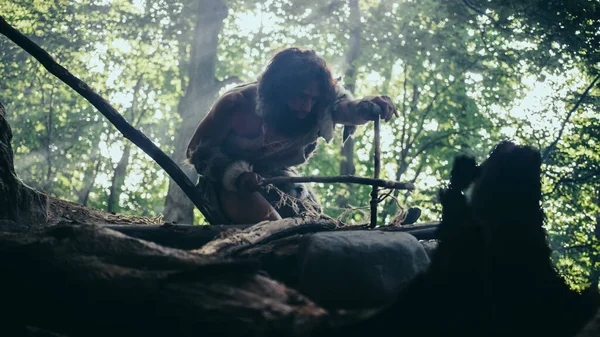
(491, 274)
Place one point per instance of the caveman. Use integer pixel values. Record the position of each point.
(265, 129)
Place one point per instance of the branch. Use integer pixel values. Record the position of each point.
(552, 146)
(106, 109)
(342, 179)
(376, 169)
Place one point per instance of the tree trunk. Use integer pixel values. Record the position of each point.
(202, 88)
(120, 171)
(347, 164)
(118, 180)
(100, 283)
(48, 141)
(19, 203)
(90, 174)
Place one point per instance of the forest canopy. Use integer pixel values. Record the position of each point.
(463, 75)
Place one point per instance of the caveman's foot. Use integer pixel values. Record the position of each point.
(412, 215)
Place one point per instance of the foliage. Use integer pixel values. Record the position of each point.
(464, 74)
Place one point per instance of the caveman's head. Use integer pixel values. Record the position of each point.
(294, 87)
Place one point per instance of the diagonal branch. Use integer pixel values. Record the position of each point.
(552, 146)
(128, 131)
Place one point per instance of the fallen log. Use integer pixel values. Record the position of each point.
(267, 231)
(194, 237)
(176, 236)
(92, 281)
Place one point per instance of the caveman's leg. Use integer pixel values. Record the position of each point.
(246, 208)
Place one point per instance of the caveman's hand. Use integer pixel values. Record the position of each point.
(372, 106)
(249, 182)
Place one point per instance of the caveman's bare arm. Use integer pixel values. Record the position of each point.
(358, 112)
(217, 124)
(204, 149)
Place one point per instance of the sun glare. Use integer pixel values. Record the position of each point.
(252, 22)
(139, 5)
(112, 151)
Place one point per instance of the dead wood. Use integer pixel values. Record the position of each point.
(92, 281)
(177, 236)
(243, 237)
(266, 231)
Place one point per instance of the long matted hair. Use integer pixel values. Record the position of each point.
(286, 75)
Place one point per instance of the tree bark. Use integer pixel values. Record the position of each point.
(48, 139)
(202, 88)
(195, 237)
(97, 282)
(19, 202)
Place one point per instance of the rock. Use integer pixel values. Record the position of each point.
(430, 246)
(358, 269)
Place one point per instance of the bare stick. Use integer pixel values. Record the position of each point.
(376, 170)
(128, 131)
(552, 146)
(342, 179)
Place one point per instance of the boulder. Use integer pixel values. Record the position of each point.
(358, 269)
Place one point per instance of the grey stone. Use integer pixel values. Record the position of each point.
(358, 269)
(430, 246)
